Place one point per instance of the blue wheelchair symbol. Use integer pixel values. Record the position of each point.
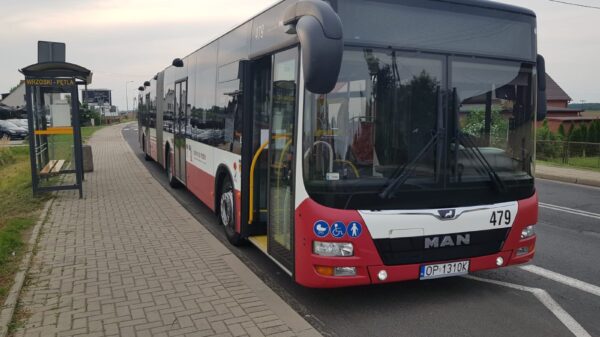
(321, 228)
(338, 229)
(354, 229)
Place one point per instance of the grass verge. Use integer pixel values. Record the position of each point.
(19, 208)
(587, 163)
(19, 212)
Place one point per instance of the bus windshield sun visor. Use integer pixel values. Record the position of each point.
(319, 31)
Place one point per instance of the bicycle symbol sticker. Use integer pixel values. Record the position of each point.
(354, 229)
(338, 229)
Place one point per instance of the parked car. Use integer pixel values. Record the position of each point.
(20, 122)
(12, 130)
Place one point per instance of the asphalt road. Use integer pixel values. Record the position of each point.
(521, 302)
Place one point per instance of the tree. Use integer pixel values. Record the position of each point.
(87, 114)
(561, 131)
(571, 130)
(593, 135)
(474, 125)
(578, 135)
(548, 145)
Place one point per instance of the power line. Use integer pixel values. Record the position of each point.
(574, 4)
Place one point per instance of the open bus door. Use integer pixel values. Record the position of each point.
(274, 102)
(281, 157)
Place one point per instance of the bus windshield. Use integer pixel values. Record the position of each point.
(401, 127)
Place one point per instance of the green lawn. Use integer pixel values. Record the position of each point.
(88, 131)
(19, 208)
(19, 212)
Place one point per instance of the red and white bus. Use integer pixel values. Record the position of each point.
(361, 142)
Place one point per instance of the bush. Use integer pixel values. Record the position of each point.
(593, 135)
(549, 144)
(579, 135)
(86, 114)
(561, 131)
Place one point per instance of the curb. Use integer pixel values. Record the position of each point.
(8, 309)
(565, 179)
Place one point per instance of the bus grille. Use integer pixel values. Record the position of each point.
(412, 250)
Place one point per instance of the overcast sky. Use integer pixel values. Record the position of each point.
(131, 40)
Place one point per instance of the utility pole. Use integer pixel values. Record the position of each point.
(134, 106)
(126, 96)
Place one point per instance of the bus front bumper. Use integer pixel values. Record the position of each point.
(408, 272)
(315, 271)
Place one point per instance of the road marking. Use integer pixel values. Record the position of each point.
(570, 210)
(546, 300)
(560, 278)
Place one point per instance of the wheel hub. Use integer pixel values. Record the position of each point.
(227, 208)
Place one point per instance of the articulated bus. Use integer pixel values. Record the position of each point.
(361, 141)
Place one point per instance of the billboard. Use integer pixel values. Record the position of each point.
(96, 97)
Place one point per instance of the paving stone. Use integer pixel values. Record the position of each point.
(128, 260)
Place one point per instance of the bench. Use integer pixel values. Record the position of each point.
(53, 167)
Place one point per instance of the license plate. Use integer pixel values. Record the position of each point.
(431, 271)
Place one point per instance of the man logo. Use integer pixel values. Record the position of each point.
(447, 214)
(447, 241)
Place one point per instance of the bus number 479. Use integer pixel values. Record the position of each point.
(500, 218)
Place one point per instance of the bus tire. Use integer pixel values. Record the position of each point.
(226, 212)
(146, 156)
(170, 177)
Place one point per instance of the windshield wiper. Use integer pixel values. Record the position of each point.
(403, 173)
(480, 158)
(407, 170)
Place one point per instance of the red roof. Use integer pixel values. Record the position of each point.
(559, 109)
(574, 118)
(554, 92)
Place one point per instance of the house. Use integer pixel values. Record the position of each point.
(16, 98)
(13, 104)
(558, 108)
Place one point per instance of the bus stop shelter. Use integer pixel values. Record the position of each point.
(55, 143)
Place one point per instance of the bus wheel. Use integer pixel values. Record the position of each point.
(227, 212)
(146, 156)
(170, 177)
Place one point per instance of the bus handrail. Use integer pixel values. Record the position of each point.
(252, 168)
(328, 147)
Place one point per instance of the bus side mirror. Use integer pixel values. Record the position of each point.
(542, 108)
(319, 30)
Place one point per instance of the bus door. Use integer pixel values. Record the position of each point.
(281, 157)
(181, 120)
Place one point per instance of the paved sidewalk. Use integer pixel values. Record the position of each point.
(569, 175)
(128, 260)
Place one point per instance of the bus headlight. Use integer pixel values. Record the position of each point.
(333, 248)
(527, 232)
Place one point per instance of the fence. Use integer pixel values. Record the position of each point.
(569, 153)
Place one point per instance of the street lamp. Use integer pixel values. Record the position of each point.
(126, 96)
